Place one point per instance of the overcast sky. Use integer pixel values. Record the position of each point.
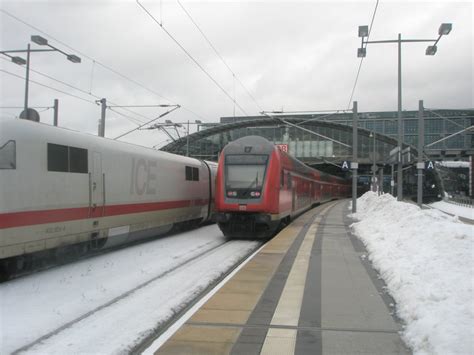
(289, 55)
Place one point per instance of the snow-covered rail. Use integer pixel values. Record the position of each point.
(465, 214)
(114, 300)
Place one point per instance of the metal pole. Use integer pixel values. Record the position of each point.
(421, 143)
(380, 181)
(103, 103)
(354, 163)
(374, 168)
(400, 123)
(187, 142)
(392, 187)
(27, 79)
(56, 107)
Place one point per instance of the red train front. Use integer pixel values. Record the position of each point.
(259, 187)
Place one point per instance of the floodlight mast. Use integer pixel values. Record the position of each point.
(20, 61)
(444, 29)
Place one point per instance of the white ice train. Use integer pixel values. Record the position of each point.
(60, 188)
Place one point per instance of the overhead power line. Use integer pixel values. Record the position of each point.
(218, 54)
(191, 57)
(47, 86)
(86, 93)
(99, 63)
(362, 59)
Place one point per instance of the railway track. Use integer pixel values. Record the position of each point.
(462, 219)
(127, 304)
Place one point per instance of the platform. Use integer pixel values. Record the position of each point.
(310, 290)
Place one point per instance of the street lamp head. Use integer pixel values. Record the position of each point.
(361, 52)
(39, 40)
(73, 58)
(445, 28)
(198, 121)
(431, 50)
(18, 60)
(168, 122)
(363, 31)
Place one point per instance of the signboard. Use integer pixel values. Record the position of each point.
(345, 165)
(429, 165)
(283, 147)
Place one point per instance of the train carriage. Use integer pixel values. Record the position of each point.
(259, 187)
(60, 187)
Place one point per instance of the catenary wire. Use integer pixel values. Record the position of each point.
(191, 57)
(101, 64)
(47, 86)
(218, 54)
(82, 91)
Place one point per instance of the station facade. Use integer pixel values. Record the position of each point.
(316, 139)
(377, 135)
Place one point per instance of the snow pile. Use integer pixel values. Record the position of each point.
(426, 259)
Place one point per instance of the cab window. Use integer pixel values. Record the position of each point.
(8, 155)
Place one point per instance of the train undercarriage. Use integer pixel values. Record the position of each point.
(248, 225)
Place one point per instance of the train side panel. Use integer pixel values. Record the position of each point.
(120, 192)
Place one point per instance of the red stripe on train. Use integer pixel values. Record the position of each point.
(28, 218)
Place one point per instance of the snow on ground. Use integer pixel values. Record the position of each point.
(36, 305)
(426, 259)
(461, 211)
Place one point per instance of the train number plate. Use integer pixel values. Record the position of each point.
(242, 207)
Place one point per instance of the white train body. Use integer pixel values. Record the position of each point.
(60, 187)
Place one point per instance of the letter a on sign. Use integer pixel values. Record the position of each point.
(345, 165)
(429, 165)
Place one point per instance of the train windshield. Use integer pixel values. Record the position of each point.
(8, 155)
(245, 171)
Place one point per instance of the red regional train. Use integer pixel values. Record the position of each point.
(259, 188)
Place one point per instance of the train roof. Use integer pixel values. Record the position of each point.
(249, 145)
(31, 131)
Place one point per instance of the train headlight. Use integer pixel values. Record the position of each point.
(231, 193)
(255, 193)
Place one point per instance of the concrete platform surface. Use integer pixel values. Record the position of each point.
(307, 291)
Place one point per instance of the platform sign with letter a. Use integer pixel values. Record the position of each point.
(346, 165)
(283, 147)
(429, 165)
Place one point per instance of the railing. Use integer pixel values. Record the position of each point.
(465, 201)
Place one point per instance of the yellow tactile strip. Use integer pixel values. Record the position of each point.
(235, 301)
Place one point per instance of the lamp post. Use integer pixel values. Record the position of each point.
(444, 29)
(20, 61)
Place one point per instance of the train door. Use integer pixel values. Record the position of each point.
(97, 187)
(293, 195)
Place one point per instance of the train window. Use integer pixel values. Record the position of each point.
(195, 174)
(66, 159)
(8, 155)
(58, 157)
(78, 160)
(288, 179)
(189, 173)
(282, 179)
(192, 174)
(246, 159)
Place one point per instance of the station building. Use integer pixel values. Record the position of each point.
(305, 136)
